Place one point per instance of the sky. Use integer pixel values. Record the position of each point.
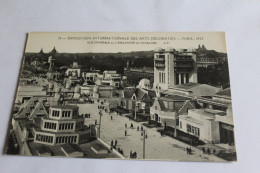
(112, 42)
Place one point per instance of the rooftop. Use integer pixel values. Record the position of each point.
(65, 106)
(173, 98)
(224, 92)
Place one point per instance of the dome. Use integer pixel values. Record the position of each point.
(158, 49)
(96, 89)
(144, 83)
(169, 49)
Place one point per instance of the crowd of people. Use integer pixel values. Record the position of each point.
(114, 146)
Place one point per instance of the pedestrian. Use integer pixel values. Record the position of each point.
(208, 151)
(131, 154)
(125, 132)
(190, 150)
(115, 143)
(187, 150)
(125, 125)
(137, 128)
(131, 125)
(214, 151)
(112, 142)
(203, 149)
(146, 136)
(111, 117)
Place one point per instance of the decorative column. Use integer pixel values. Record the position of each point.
(180, 78)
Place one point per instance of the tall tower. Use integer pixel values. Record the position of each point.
(51, 62)
(172, 67)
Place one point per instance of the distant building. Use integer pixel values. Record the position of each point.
(90, 76)
(174, 67)
(101, 91)
(204, 61)
(134, 75)
(111, 78)
(36, 63)
(51, 74)
(137, 99)
(26, 92)
(73, 74)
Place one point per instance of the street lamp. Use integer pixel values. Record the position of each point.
(100, 114)
(144, 144)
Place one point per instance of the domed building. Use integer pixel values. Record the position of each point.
(144, 83)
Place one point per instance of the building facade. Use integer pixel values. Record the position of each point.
(134, 75)
(201, 124)
(172, 67)
(63, 125)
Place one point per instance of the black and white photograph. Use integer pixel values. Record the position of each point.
(124, 95)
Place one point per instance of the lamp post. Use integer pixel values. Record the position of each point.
(100, 114)
(144, 132)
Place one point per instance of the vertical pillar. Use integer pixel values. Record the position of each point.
(180, 78)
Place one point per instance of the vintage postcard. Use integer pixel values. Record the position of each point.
(132, 95)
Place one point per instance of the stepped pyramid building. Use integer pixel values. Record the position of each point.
(62, 125)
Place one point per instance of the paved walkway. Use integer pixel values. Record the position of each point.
(157, 147)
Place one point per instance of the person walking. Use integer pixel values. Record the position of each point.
(131, 154)
(190, 150)
(125, 125)
(214, 151)
(137, 128)
(112, 142)
(208, 151)
(115, 143)
(125, 132)
(187, 150)
(203, 149)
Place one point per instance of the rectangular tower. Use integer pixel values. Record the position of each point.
(172, 67)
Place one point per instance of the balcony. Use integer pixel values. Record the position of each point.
(183, 65)
(159, 65)
(159, 59)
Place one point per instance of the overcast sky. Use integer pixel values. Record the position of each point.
(122, 42)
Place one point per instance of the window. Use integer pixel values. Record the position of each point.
(193, 130)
